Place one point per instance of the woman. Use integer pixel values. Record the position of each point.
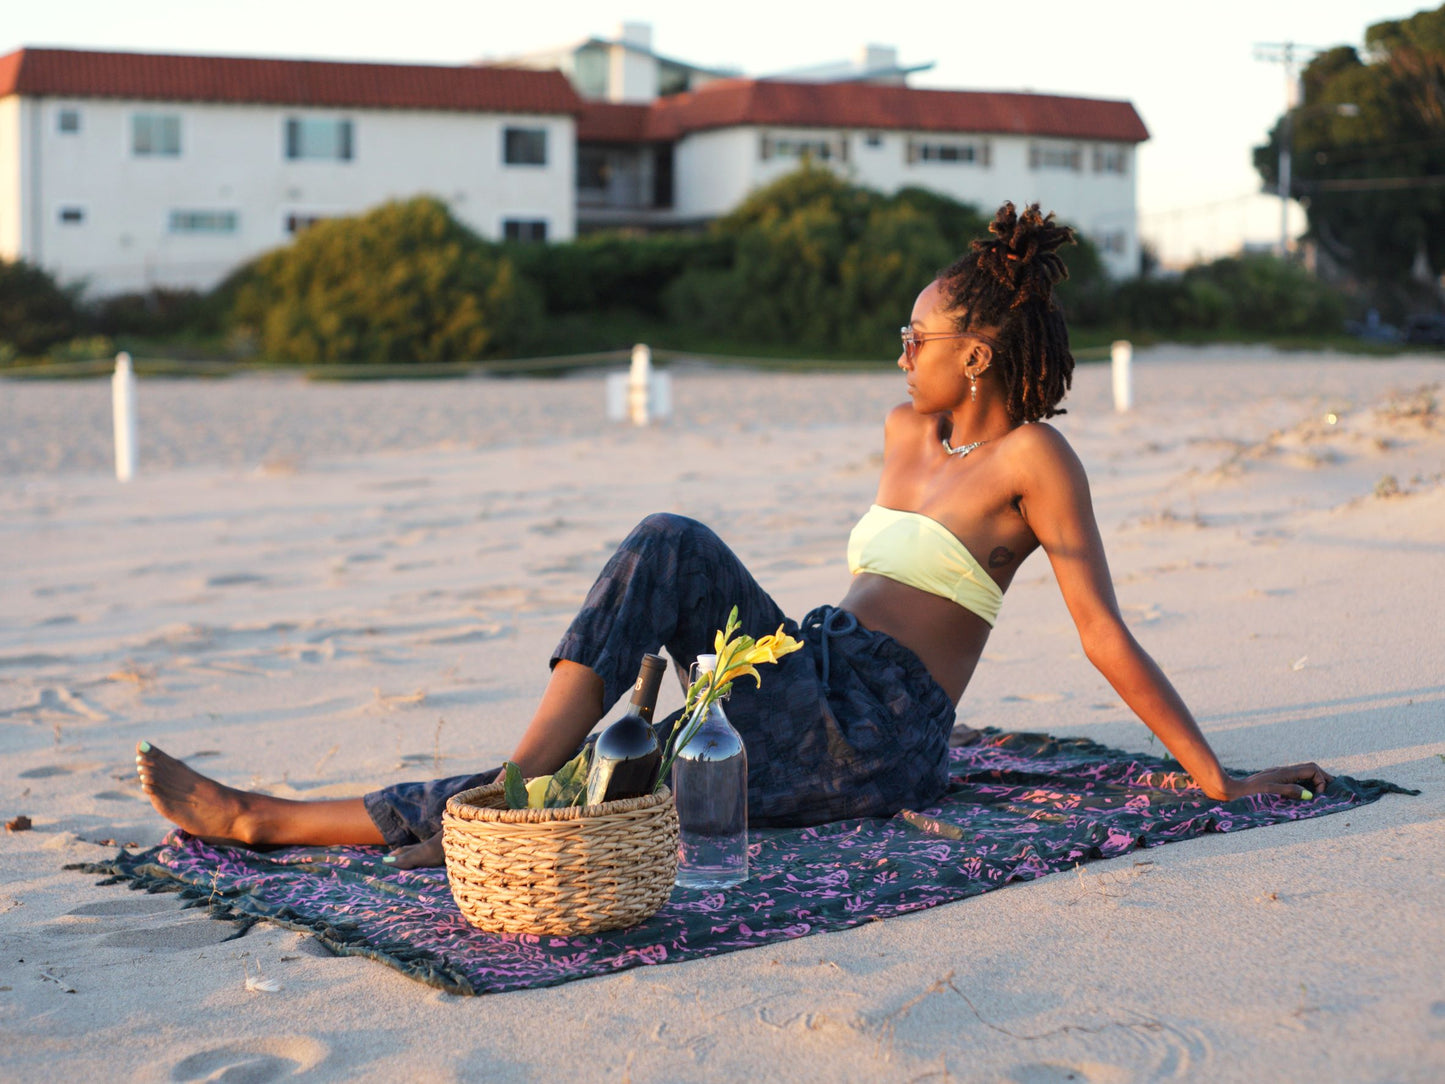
(858, 722)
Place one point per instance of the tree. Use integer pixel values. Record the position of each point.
(1372, 177)
(405, 282)
(819, 263)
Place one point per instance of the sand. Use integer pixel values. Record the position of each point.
(314, 589)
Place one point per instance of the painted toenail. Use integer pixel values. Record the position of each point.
(391, 858)
(145, 747)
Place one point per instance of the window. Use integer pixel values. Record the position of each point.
(324, 138)
(822, 150)
(524, 146)
(593, 169)
(155, 135)
(72, 216)
(1110, 160)
(957, 153)
(1054, 156)
(1113, 243)
(204, 221)
(524, 229)
(68, 121)
(874, 139)
(296, 223)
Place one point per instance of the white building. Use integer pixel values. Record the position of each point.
(690, 155)
(694, 156)
(128, 171)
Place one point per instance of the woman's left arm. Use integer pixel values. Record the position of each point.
(1060, 512)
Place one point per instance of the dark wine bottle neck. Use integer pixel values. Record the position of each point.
(644, 691)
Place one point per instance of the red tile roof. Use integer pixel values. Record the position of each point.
(732, 102)
(612, 122)
(726, 103)
(73, 73)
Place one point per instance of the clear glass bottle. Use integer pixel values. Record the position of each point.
(710, 782)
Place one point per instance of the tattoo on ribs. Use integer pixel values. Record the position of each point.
(1000, 556)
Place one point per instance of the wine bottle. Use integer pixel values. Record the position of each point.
(627, 755)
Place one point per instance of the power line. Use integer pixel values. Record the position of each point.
(1377, 184)
(1209, 205)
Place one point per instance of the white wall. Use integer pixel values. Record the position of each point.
(632, 74)
(233, 159)
(11, 246)
(716, 169)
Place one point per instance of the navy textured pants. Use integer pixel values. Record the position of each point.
(852, 725)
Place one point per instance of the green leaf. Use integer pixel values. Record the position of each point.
(568, 782)
(513, 789)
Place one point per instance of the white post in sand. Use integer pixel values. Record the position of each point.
(1122, 356)
(122, 389)
(639, 384)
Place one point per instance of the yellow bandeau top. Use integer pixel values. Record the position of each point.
(911, 548)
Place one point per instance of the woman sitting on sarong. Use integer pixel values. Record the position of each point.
(858, 722)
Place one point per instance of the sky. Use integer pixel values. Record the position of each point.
(1189, 69)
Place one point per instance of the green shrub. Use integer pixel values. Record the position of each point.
(154, 313)
(86, 348)
(605, 272)
(1249, 295)
(818, 263)
(34, 311)
(405, 282)
(1269, 296)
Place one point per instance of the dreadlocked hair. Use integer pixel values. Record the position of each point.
(1008, 283)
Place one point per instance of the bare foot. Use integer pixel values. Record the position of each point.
(418, 855)
(203, 807)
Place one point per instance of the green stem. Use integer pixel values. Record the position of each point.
(677, 746)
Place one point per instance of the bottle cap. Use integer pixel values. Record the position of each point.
(707, 663)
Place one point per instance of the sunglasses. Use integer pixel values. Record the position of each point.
(913, 340)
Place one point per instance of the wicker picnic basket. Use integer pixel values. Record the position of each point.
(582, 869)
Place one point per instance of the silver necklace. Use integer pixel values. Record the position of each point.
(963, 449)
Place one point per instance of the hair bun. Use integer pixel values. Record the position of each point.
(1024, 252)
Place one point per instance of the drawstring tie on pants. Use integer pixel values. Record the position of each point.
(829, 621)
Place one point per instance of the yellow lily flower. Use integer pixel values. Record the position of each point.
(774, 647)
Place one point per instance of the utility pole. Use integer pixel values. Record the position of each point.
(1289, 54)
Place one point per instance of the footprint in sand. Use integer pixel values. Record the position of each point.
(45, 772)
(1037, 698)
(61, 589)
(471, 635)
(235, 579)
(194, 933)
(253, 1061)
(1058, 1073)
(147, 906)
(154, 925)
(59, 701)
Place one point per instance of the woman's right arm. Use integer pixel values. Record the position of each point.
(1060, 513)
